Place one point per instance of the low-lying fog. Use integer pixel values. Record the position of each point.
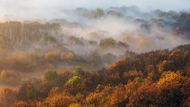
(90, 38)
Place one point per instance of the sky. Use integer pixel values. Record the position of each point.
(37, 8)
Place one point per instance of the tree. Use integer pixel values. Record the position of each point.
(7, 97)
(2, 41)
(186, 103)
(99, 97)
(20, 104)
(170, 79)
(177, 57)
(9, 77)
(164, 66)
(75, 105)
(78, 71)
(73, 80)
(98, 12)
(26, 91)
(169, 86)
(59, 100)
(144, 96)
(50, 75)
(118, 95)
(66, 56)
(132, 74)
(51, 56)
(107, 43)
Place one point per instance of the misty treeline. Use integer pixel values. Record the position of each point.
(156, 79)
(129, 25)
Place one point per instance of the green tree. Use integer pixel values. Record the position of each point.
(73, 80)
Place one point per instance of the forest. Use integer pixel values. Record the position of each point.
(153, 79)
(118, 56)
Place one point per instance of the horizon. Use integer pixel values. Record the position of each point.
(43, 9)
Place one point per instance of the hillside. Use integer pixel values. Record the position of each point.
(158, 78)
(54, 54)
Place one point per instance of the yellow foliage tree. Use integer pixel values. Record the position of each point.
(59, 100)
(169, 79)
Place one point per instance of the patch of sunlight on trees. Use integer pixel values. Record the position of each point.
(170, 78)
(59, 101)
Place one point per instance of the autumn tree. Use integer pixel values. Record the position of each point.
(164, 66)
(118, 95)
(169, 89)
(59, 100)
(50, 75)
(7, 97)
(19, 104)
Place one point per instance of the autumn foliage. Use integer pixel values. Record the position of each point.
(153, 79)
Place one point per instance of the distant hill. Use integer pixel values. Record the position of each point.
(183, 47)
